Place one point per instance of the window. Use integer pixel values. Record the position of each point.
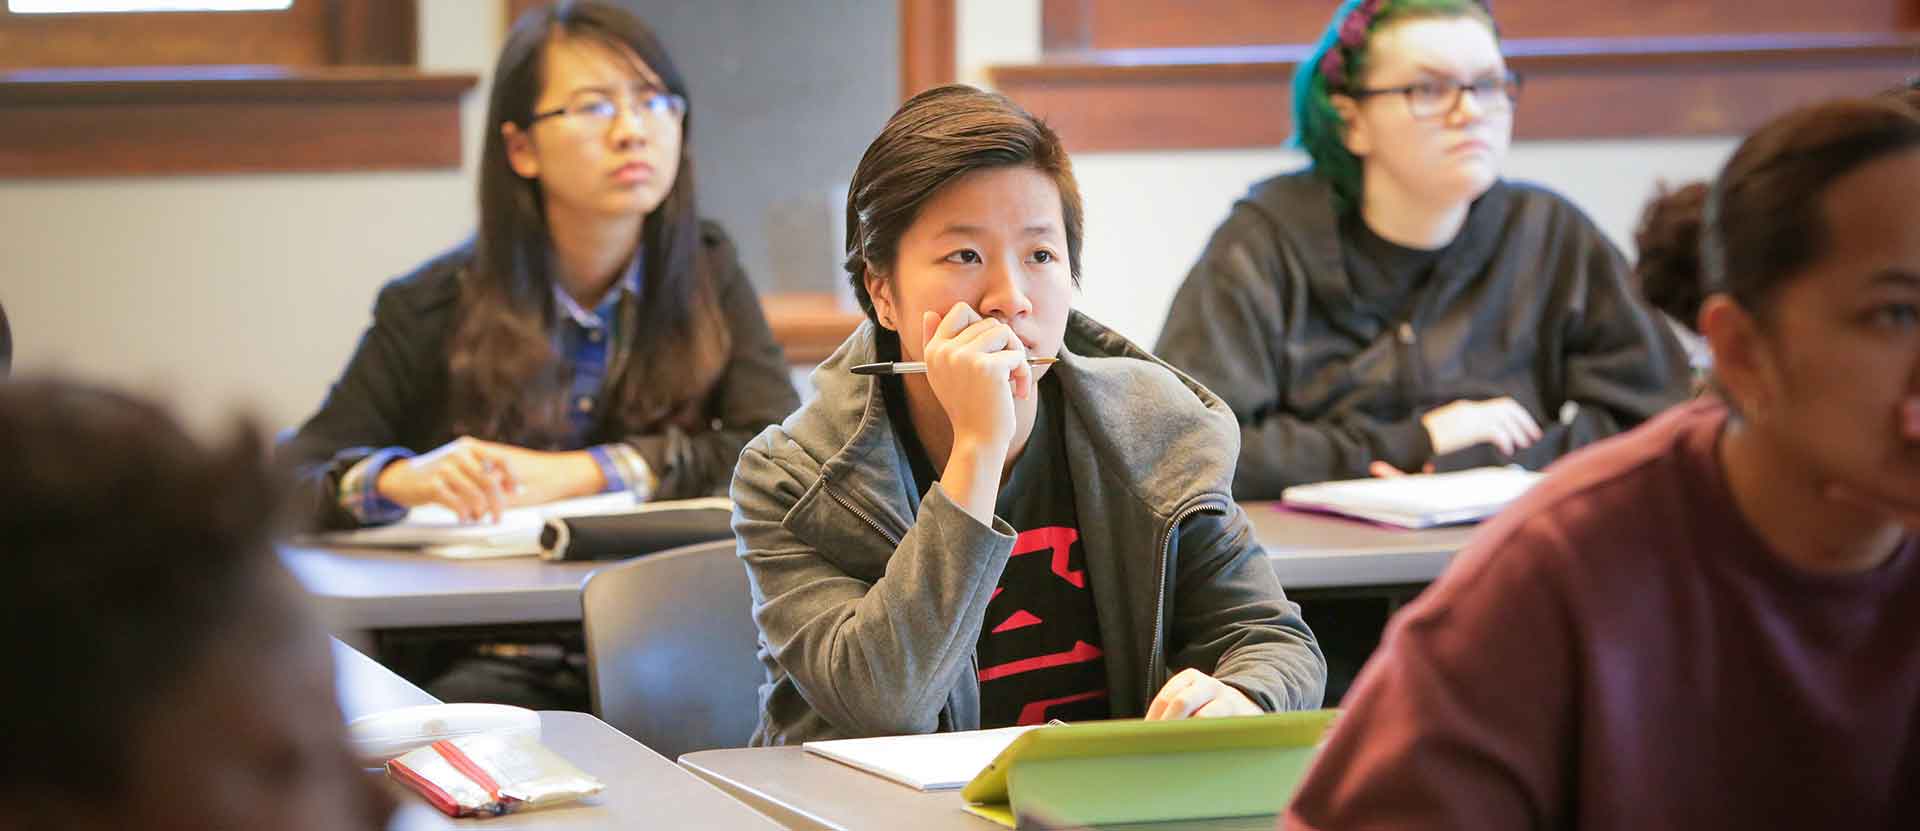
(100, 6)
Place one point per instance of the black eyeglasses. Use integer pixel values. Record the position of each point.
(1435, 99)
(598, 110)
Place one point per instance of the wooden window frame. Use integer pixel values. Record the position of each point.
(929, 36)
(358, 104)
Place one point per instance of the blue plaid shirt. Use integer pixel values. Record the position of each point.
(584, 341)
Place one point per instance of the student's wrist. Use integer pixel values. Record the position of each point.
(978, 457)
(972, 476)
(389, 483)
(580, 474)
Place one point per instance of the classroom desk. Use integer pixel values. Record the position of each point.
(1319, 552)
(365, 687)
(363, 589)
(644, 789)
(804, 791)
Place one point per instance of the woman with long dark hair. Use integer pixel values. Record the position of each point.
(595, 334)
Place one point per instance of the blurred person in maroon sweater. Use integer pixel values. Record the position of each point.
(1712, 621)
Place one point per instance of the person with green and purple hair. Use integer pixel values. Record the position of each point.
(1397, 306)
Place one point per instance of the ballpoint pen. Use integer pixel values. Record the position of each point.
(916, 367)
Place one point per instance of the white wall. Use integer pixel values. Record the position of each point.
(234, 291)
(1149, 214)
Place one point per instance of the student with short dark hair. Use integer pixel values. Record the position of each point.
(1398, 305)
(1709, 622)
(165, 672)
(595, 335)
(991, 542)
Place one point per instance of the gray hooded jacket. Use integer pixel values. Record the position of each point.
(870, 600)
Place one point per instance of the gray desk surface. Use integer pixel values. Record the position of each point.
(364, 589)
(644, 789)
(360, 589)
(365, 687)
(804, 791)
(1311, 551)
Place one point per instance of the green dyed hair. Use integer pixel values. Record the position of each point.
(1317, 126)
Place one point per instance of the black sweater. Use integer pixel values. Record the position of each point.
(1529, 301)
(395, 390)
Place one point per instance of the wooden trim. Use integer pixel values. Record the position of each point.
(515, 8)
(296, 36)
(374, 32)
(1168, 99)
(1066, 25)
(809, 326)
(928, 43)
(227, 120)
(1153, 24)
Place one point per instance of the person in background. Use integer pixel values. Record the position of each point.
(1707, 623)
(1667, 267)
(166, 672)
(595, 335)
(991, 543)
(6, 344)
(1397, 306)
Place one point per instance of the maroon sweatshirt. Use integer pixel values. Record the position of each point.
(1619, 649)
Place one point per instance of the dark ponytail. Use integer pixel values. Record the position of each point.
(1668, 239)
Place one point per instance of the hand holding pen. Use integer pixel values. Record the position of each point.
(976, 367)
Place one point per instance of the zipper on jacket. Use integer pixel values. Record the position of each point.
(864, 517)
(1413, 380)
(946, 710)
(1160, 600)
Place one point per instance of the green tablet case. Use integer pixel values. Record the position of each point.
(1130, 771)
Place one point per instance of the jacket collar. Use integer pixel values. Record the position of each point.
(1141, 422)
(1300, 207)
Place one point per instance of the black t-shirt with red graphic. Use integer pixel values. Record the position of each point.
(1039, 654)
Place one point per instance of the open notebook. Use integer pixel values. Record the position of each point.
(437, 531)
(1418, 501)
(931, 762)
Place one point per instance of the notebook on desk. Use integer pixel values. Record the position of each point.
(1418, 501)
(931, 762)
(436, 531)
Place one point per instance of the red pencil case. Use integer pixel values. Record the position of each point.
(491, 774)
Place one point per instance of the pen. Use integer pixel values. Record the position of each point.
(916, 367)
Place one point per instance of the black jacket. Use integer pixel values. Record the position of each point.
(1529, 301)
(395, 390)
